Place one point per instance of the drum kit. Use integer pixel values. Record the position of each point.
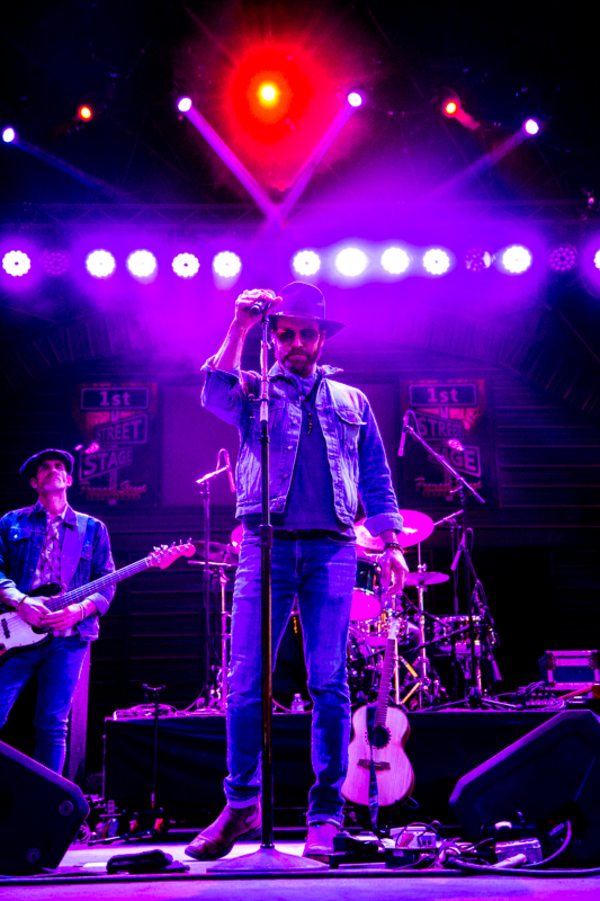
(433, 655)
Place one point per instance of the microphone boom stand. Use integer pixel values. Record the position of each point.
(267, 859)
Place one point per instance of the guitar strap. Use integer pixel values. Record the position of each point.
(71, 549)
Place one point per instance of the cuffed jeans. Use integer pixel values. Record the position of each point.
(58, 663)
(322, 573)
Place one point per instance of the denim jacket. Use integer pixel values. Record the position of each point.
(355, 450)
(22, 535)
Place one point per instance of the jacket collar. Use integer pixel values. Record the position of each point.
(70, 517)
(277, 372)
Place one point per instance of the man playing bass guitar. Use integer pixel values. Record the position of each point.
(39, 545)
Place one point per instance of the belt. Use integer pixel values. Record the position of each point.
(308, 534)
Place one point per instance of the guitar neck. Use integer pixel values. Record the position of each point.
(84, 591)
(384, 683)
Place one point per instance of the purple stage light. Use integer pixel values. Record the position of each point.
(563, 258)
(100, 263)
(436, 261)
(227, 264)
(142, 265)
(597, 259)
(55, 262)
(185, 265)
(184, 104)
(351, 262)
(478, 259)
(395, 260)
(16, 263)
(354, 99)
(531, 127)
(9, 135)
(516, 259)
(306, 262)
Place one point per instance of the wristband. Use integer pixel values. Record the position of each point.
(19, 602)
(392, 544)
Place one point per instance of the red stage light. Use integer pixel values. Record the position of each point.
(85, 113)
(270, 93)
(451, 108)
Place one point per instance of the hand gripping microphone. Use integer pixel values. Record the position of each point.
(261, 305)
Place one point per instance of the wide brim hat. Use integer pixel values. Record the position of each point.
(303, 301)
(30, 467)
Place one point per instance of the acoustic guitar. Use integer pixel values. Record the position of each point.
(15, 633)
(380, 732)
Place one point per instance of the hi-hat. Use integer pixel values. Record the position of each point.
(416, 527)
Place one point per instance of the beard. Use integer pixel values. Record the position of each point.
(300, 363)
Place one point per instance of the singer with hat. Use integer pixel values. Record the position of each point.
(49, 543)
(326, 452)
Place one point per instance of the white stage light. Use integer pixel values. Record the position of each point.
(100, 263)
(306, 262)
(351, 261)
(185, 265)
(16, 263)
(142, 264)
(227, 264)
(436, 261)
(395, 260)
(184, 104)
(516, 259)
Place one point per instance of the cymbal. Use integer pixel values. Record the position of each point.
(425, 578)
(416, 527)
(218, 553)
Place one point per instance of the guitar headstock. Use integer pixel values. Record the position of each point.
(393, 626)
(166, 554)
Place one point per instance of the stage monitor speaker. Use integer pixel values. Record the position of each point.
(550, 775)
(40, 814)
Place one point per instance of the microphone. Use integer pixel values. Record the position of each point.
(229, 470)
(405, 419)
(261, 305)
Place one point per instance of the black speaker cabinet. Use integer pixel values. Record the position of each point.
(550, 775)
(40, 814)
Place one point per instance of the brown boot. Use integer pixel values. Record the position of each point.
(319, 841)
(231, 825)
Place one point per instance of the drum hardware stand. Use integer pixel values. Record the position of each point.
(204, 483)
(267, 859)
(474, 696)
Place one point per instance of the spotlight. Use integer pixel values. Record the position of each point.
(563, 258)
(227, 264)
(395, 260)
(142, 265)
(354, 98)
(516, 259)
(477, 259)
(436, 261)
(351, 261)
(451, 108)
(267, 93)
(597, 259)
(184, 104)
(85, 113)
(531, 127)
(16, 263)
(100, 263)
(9, 135)
(185, 265)
(306, 262)
(55, 262)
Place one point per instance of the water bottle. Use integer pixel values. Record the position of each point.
(297, 704)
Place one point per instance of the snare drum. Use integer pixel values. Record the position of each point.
(366, 603)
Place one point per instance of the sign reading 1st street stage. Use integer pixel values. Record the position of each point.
(458, 395)
(133, 430)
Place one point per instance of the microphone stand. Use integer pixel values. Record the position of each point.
(267, 859)
(474, 691)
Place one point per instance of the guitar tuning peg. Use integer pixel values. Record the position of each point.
(155, 549)
(172, 544)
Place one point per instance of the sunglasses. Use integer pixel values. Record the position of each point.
(287, 335)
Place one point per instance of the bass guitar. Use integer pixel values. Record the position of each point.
(15, 633)
(379, 735)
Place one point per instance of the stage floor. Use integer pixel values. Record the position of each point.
(83, 878)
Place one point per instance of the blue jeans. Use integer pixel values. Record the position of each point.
(58, 663)
(322, 573)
